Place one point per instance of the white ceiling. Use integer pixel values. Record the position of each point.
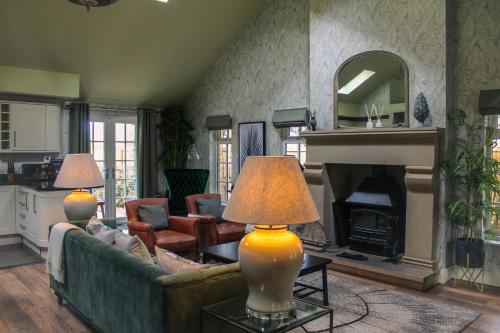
(132, 52)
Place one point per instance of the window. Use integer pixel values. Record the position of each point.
(224, 163)
(495, 220)
(294, 144)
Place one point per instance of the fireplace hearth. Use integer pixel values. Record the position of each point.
(376, 219)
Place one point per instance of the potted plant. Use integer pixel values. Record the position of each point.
(474, 173)
(177, 146)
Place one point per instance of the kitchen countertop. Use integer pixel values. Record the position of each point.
(31, 185)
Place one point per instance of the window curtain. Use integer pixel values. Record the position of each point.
(147, 177)
(79, 128)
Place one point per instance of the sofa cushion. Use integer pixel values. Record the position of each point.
(94, 225)
(212, 206)
(133, 245)
(154, 215)
(172, 263)
(107, 235)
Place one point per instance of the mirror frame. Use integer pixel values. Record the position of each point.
(336, 87)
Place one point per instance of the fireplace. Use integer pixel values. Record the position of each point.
(332, 155)
(377, 220)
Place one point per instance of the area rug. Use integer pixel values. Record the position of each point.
(365, 308)
(17, 255)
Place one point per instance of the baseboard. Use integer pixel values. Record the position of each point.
(42, 251)
(9, 239)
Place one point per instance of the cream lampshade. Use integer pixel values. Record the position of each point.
(79, 172)
(271, 193)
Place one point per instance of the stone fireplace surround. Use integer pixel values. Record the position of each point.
(415, 149)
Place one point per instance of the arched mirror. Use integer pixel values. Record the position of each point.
(371, 91)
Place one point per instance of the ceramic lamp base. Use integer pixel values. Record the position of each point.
(80, 205)
(270, 260)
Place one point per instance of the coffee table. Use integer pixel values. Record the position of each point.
(228, 253)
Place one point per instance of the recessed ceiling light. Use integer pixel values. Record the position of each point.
(356, 82)
(164, 1)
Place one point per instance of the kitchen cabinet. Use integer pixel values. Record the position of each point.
(36, 211)
(52, 128)
(30, 127)
(7, 210)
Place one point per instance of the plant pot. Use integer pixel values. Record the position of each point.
(474, 248)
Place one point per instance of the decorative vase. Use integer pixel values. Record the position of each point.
(369, 124)
(378, 124)
(469, 253)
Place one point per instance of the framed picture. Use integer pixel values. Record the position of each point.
(252, 140)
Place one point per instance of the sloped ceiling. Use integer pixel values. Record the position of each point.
(132, 52)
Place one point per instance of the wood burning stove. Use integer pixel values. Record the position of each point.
(377, 217)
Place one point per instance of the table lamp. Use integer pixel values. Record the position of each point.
(79, 172)
(271, 193)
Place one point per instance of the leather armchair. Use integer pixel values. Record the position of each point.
(211, 232)
(180, 238)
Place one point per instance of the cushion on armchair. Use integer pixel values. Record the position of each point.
(211, 206)
(154, 215)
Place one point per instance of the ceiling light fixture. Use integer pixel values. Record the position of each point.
(93, 3)
(356, 82)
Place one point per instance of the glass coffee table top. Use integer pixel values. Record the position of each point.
(233, 312)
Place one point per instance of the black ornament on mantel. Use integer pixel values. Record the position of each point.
(421, 110)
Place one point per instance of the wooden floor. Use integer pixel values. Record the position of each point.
(27, 304)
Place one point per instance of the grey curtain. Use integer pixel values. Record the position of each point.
(147, 186)
(79, 128)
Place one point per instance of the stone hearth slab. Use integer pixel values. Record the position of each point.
(376, 268)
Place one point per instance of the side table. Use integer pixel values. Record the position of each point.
(230, 316)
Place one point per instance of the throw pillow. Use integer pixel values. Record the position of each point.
(211, 207)
(106, 235)
(154, 215)
(133, 245)
(94, 225)
(172, 263)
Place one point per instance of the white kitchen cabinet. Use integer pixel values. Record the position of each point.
(7, 210)
(37, 210)
(22, 211)
(30, 127)
(27, 127)
(52, 128)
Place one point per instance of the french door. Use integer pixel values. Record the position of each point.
(112, 142)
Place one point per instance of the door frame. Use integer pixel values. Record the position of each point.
(109, 121)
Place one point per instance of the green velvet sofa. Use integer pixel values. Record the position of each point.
(117, 292)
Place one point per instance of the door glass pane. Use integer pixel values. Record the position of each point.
(97, 150)
(130, 132)
(124, 166)
(120, 132)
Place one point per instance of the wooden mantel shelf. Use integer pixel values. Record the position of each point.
(393, 133)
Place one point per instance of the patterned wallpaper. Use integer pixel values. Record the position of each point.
(413, 29)
(289, 54)
(265, 69)
(477, 66)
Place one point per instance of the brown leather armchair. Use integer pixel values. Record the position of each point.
(180, 237)
(211, 232)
